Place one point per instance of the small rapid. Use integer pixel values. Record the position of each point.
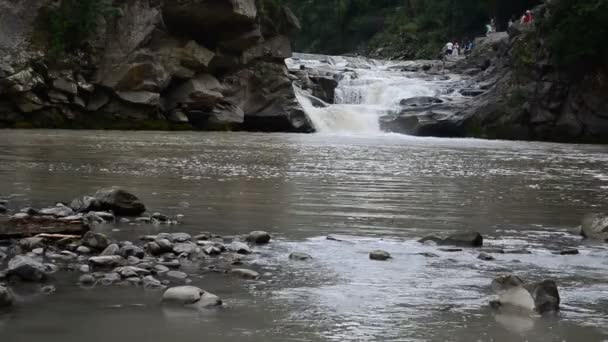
(367, 90)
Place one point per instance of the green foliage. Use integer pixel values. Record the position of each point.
(73, 21)
(411, 28)
(578, 31)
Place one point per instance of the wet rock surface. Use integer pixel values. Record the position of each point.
(143, 69)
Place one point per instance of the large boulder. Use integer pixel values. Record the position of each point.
(119, 201)
(202, 92)
(258, 237)
(595, 226)
(190, 296)
(461, 239)
(27, 269)
(541, 297)
(464, 239)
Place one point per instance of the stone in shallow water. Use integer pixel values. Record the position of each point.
(567, 251)
(379, 255)
(7, 299)
(106, 261)
(110, 278)
(245, 273)
(86, 279)
(300, 256)
(27, 269)
(186, 247)
(112, 249)
(177, 275)
(485, 257)
(152, 283)
(595, 226)
(180, 237)
(239, 248)
(131, 271)
(464, 239)
(190, 296)
(83, 250)
(131, 251)
(50, 289)
(95, 241)
(31, 243)
(541, 297)
(258, 237)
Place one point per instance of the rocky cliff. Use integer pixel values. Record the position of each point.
(152, 64)
(516, 92)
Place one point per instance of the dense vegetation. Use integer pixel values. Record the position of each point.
(72, 22)
(403, 28)
(578, 31)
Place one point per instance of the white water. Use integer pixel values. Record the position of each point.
(369, 90)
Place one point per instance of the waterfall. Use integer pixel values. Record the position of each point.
(367, 91)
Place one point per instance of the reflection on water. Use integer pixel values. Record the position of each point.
(384, 192)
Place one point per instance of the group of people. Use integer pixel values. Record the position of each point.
(526, 19)
(457, 49)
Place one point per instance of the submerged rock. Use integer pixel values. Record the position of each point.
(379, 255)
(485, 257)
(27, 269)
(86, 279)
(567, 251)
(239, 247)
(595, 226)
(461, 239)
(245, 273)
(190, 296)
(300, 256)
(7, 299)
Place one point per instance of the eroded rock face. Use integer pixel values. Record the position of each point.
(205, 64)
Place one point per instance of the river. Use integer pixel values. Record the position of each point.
(377, 190)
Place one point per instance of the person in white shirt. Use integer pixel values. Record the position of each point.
(449, 47)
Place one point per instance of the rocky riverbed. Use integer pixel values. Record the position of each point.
(168, 261)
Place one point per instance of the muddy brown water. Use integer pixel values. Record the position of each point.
(382, 191)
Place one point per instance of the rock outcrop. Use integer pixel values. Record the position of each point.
(156, 65)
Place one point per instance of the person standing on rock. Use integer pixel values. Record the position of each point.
(449, 48)
(456, 49)
(527, 18)
(488, 29)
